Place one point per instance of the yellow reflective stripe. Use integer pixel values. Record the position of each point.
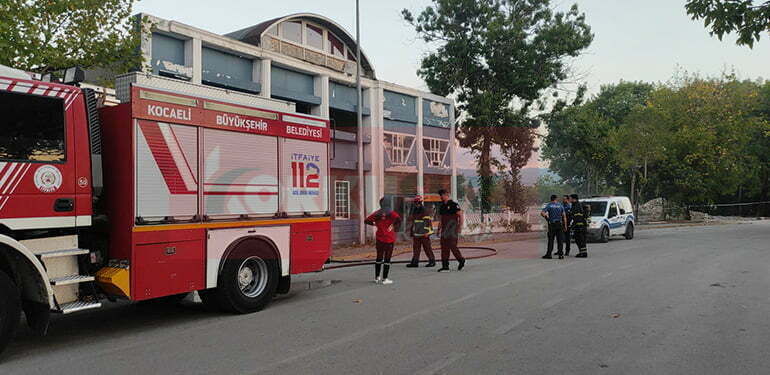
(227, 224)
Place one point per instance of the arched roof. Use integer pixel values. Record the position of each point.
(253, 34)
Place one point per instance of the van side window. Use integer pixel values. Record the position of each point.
(613, 210)
(32, 128)
(625, 205)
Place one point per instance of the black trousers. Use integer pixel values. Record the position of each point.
(384, 253)
(447, 245)
(555, 230)
(566, 241)
(422, 243)
(580, 239)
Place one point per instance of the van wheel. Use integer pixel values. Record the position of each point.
(605, 237)
(629, 231)
(248, 280)
(10, 310)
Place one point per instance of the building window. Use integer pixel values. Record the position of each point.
(435, 151)
(273, 30)
(314, 36)
(397, 147)
(351, 55)
(33, 128)
(292, 30)
(336, 47)
(342, 200)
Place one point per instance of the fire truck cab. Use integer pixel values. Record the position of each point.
(178, 188)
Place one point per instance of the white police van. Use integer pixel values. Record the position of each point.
(610, 216)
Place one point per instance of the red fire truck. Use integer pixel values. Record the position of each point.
(178, 188)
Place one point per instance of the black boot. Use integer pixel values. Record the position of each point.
(412, 265)
(431, 264)
(460, 264)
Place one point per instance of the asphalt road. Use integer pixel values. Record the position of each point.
(672, 301)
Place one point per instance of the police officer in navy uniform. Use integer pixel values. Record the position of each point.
(579, 222)
(567, 203)
(449, 231)
(557, 225)
(421, 227)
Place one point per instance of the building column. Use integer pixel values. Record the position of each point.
(371, 178)
(264, 72)
(380, 141)
(145, 47)
(420, 151)
(453, 151)
(375, 180)
(321, 89)
(193, 57)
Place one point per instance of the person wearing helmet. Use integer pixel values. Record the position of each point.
(420, 228)
(580, 218)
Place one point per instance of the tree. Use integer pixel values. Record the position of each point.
(517, 147)
(45, 36)
(641, 141)
(759, 148)
(470, 193)
(578, 143)
(497, 57)
(708, 124)
(547, 185)
(748, 18)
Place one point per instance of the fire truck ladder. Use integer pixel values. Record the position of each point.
(63, 270)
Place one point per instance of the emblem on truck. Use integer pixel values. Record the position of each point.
(305, 174)
(48, 178)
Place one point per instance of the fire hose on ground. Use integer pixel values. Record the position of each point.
(369, 262)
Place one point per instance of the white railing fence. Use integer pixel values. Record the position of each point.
(499, 222)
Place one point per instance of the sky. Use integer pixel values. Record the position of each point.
(648, 40)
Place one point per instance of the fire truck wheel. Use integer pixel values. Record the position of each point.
(248, 280)
(10, 309)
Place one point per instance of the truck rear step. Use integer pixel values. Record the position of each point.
(71, 279)
(68, 308)
(64, 275)
(62, 253)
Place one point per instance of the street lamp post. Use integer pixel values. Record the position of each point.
(360, 134)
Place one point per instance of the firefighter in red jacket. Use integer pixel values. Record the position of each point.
(387, 222)
(421, 227)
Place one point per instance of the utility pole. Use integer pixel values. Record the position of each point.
(360, 134)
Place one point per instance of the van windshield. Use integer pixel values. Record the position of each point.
(597, 208)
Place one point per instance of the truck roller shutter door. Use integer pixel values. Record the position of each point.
(241, 174)
(166, 171)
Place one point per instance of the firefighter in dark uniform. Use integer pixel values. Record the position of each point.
(579, 217)
(449, 231)
(567, 203)
(420, 228)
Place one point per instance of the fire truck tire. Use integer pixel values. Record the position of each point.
(248, 281)
(10, 310)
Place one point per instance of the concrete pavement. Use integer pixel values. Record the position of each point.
(674, 300)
